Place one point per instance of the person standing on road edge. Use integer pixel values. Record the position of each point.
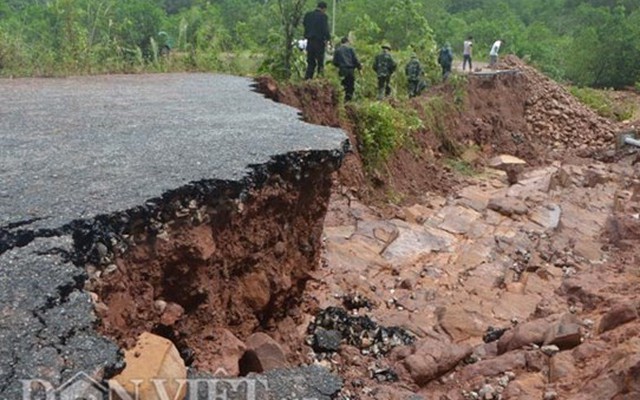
(445, 59)
(385, 66)
(467, 51)
(316, 31)
(346, 60)
(414, 72)
(493, 54)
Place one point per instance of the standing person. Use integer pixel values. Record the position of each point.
(385, 66)
(316, 31)
(493, 54)
(414, 72)
(467, 51)
(445, 59)
(346, 60)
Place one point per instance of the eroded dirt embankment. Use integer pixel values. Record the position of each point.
(217, 255)
(516, 110)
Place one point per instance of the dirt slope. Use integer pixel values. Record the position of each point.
(516, 111)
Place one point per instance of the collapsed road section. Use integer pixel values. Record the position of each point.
(184, 205)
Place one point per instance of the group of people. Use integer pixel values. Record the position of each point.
(317, 36)
(345, 59)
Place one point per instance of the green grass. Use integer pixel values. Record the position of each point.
(602, 103)
(461, 167)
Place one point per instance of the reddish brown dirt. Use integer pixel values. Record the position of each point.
(243, 267)
(518, 112)
(406, 177)
(494, 118)
(531, 117)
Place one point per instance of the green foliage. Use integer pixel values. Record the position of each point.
(605, 52)
(601, 103)
(280, 43)
(436, 110)
(460, 166)
(458, 84)
(589, 43)
(381, 129)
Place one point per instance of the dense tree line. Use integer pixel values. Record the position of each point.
(590, 43)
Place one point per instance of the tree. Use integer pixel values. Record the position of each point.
(290, 15)
(604, 52)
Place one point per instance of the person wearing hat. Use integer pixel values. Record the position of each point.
(346, 60)
(316, 31)
(385, 66)
(414, 72)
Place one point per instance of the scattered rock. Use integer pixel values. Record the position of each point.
(504, 160)
(356, 302)
(160, 306)
(561, 367)
(548, 217)
(384, 375)
(457, 219)
(550, 350)
(171, 314)
(565, 335)
(532, 332)
(263, 354)
(508, 206)
(255, 290)
(360, 331)
(231, 350)
(433, 358)
(620, 377)
(153, 357)
(618, 314)
(312, 382)
(487, 392)
(417, 213)
(414, 241)
(492, 334)
(459, 323)
(326, 340)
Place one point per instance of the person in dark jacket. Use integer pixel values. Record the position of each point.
(414, 72)
(385, 66)
(445, 59)
(347, 62)
(316, 31)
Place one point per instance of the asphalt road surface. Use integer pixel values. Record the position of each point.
(72, 149)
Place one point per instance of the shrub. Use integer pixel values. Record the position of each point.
(381, 129)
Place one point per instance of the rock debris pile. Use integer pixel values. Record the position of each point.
(334, 324)
(524, 290)
(558, 118)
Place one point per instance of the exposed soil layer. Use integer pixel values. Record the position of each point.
(236, 259)
(515, 111)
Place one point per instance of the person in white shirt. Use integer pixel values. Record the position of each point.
(493, 54)
(467, 52)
